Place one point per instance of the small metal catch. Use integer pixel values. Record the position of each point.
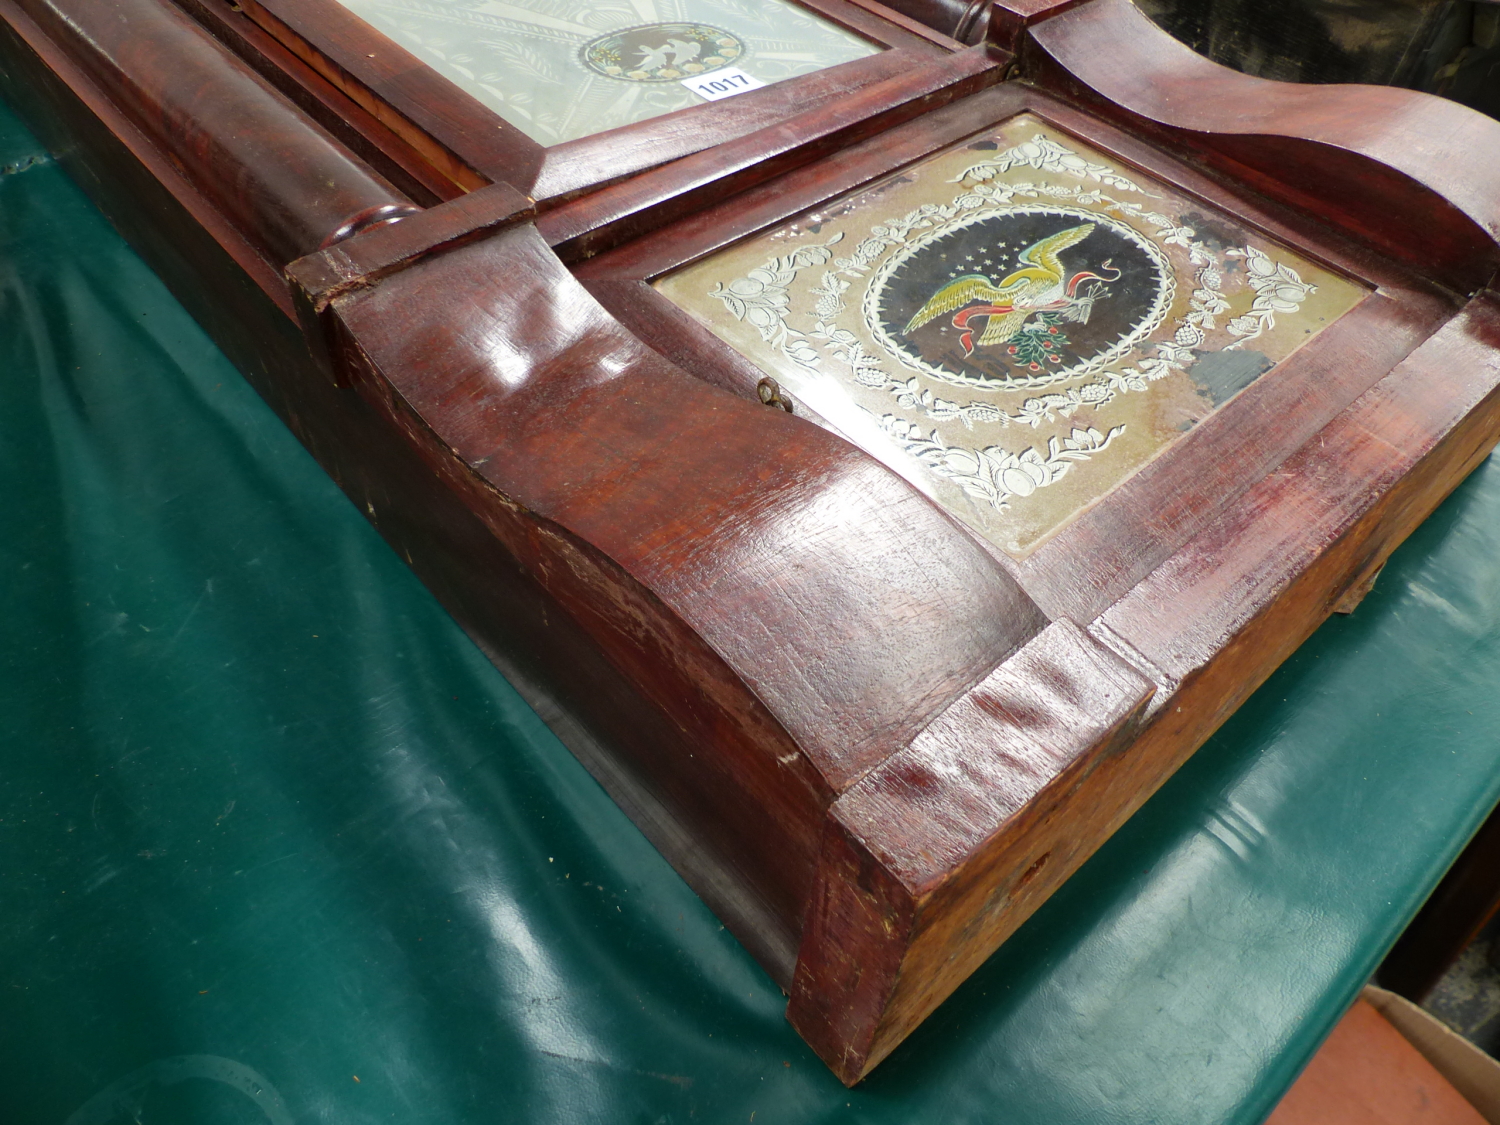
(770, 393)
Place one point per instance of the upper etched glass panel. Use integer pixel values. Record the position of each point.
(560, 69)
(1016, 325)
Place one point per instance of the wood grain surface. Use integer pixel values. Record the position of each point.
(606, 218)
(1416, 174)
(801, 611)
(282, 181)
(359, 130)
(872, 743)
(962, 20)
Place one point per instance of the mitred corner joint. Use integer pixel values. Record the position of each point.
(1009, 20)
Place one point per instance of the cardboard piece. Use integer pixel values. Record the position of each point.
(1473, 1073)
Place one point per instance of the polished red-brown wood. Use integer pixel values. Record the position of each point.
(869, 969)
(359, 130)
(1416, 176)
(743, 523)
(962, 20)
(870, 742)
(282, 181)
(1094, 560)
(607, 217)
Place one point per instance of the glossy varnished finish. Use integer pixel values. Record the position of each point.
(361, 263)
(606, 218)
(1396, 158)
(743, 524)
(862, 943)
(1092, 562)
(963, 20)
(281, 180)
(872, 743)
(361, 131)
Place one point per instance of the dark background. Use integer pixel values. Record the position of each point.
(919, 277)
(1446, 47)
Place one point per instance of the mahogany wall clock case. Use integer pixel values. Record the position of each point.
(884, 478)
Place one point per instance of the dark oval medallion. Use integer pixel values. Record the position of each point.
(1020, 297)
(663, 52)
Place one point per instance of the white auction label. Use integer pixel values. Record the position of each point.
(722, 83)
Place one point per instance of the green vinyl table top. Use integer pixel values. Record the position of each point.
(277, 844)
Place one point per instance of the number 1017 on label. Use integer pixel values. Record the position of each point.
(722, 83)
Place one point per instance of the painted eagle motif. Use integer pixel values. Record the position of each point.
(1039, 283)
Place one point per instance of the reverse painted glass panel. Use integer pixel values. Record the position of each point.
(561, 69)
(1017, 325)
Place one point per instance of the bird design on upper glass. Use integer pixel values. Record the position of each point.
(1040, 285)
(654, 58)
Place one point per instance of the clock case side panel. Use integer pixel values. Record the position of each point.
(1214, 619)
(798, 611)
(891, 931)
(1206, 629)
(427, 475)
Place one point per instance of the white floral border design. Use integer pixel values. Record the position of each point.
(994, 475)
(1278, 288)
(761, 298)
(1046, 155)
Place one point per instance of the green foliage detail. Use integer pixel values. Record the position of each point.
(1036, 345)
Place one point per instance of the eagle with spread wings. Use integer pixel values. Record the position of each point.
(1039, 284)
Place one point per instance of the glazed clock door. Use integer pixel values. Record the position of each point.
(560, 71)
(558, 98)
(1017, 325)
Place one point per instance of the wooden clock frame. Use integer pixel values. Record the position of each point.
(873, 744)
(965, 21)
